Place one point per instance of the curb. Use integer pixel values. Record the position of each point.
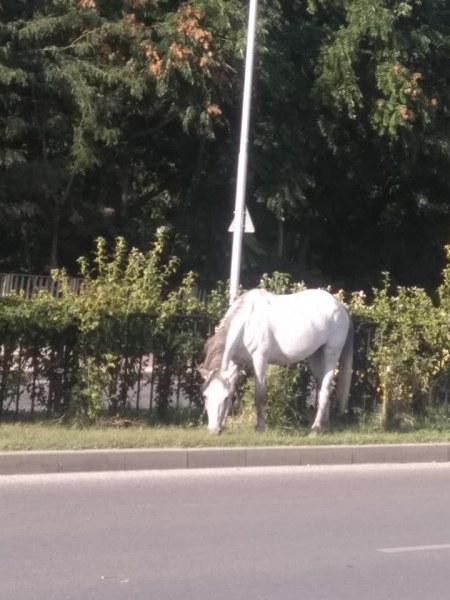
(67, 461)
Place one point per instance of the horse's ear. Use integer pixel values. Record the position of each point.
(204, 373)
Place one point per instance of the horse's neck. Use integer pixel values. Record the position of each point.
(237, 326)
(231, 375)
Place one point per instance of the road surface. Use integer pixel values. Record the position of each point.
(318, 533)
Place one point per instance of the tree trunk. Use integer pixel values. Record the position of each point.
(280, 239)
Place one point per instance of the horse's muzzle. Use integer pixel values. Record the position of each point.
(215, 430)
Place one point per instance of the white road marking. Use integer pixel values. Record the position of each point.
(415, 549)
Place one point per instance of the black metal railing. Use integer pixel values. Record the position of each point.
(145, 367)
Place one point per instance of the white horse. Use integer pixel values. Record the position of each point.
(262, 328)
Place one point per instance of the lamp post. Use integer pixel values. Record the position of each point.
(239, 206)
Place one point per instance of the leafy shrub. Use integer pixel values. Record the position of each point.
(129, 308)
(401, 357)
(406, 351)
(125, 309)
(288, 390)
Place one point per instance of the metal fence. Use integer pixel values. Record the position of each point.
(30, 284)
(141, 367)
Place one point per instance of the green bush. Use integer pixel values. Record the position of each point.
(126, 308)
(129, 306)
(407, 351)
(402, 357)
(287, 392)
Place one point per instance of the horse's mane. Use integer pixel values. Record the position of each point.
(215, 345)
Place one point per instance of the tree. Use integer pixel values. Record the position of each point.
(119, 116)
(353, 148)
(109, 109)
(56, 65)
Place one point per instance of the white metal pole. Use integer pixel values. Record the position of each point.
(239, 207)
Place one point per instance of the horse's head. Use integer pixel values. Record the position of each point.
(217, 391)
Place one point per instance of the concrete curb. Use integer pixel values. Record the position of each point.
(66, 461)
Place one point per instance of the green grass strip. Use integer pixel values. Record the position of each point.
(60, 436)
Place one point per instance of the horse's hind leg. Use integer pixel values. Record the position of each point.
(323, 403)
(315, 364)
(330, 360)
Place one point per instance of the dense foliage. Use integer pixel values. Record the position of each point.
(119, 116)
(401, 359)
(83, 353)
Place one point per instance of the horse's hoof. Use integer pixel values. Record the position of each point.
(215, 431)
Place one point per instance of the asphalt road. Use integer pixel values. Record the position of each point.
(319, 533)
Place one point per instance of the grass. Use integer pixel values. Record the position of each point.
(44, 435)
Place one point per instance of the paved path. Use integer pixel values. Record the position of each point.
(194, 458)
(360, 532)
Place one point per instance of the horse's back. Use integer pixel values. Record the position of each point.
(291, 327)
(314, 304)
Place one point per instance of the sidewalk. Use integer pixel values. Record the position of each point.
(60, 461)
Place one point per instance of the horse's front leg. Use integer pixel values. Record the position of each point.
(259, 369)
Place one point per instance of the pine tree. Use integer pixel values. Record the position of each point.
(88, 89)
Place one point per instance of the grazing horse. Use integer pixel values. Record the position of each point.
(262, 328)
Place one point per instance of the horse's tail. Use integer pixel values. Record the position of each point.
(345, 370)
